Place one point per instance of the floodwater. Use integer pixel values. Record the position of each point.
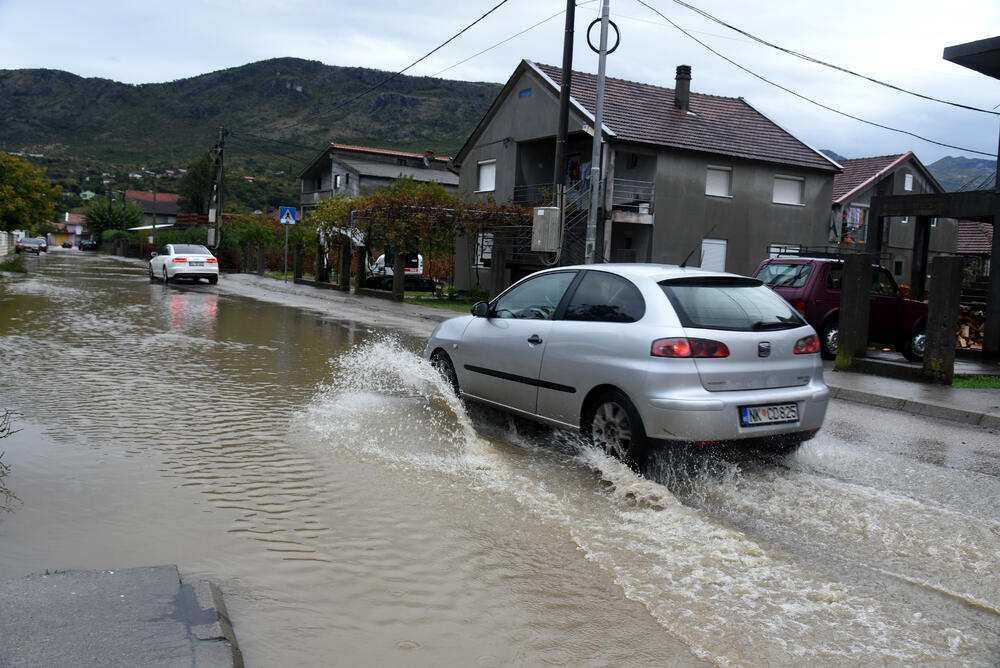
(356, 514)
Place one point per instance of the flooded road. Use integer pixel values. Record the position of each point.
(355, 514)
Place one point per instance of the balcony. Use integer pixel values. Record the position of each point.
(632, 196)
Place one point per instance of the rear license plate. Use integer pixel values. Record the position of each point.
(751, 416)
(196, 264)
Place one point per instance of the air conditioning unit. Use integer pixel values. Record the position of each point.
(545, 229)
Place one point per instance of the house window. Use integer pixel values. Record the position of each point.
(487, 182)
(788, 190)
(933, 222)
(336, 181)
(484, 249)
(897, 267)
(908, 182)
(401, 162)
(719, 181)
(904, 220)
(777, 250)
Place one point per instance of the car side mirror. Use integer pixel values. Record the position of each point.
(481, 310)
(153, 254)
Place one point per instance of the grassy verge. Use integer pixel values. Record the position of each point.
(428, 299)
(976, 382)
(13, 263)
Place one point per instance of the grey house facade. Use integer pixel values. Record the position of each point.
(682, 174)
(903, 174)
(341, 169)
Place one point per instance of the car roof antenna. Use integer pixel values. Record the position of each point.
(684, 263)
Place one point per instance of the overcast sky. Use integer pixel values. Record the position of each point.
(895, 41)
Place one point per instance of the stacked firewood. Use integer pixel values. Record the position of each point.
(971, 324)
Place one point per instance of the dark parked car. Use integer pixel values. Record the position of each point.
(31, 245)
(812, 287)
(88, 244)
(66, 244)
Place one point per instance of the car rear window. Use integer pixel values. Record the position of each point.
(732, 303)
(784, 274)
(191, 249)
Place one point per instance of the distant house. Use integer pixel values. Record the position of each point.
(159, 210)
(340, 169)
(975, 241)
(72, 228)
(682, 174)
(901, 174)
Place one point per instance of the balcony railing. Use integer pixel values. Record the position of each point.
(632, 195)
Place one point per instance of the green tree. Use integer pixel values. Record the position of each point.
(195, 187)
(100, 216)
(27, 198)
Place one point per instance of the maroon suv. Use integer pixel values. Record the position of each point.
(812, 287)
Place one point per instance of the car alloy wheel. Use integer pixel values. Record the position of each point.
(829, 340)
(166, 278)
(913, 350)
(614, 425)
(441, 362)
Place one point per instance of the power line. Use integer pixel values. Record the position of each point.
(826, 64)
(803, 97)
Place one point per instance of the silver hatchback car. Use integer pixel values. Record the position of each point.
(638, 354)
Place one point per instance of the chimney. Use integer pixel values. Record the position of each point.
(682, 93)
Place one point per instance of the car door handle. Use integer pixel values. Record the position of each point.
(534, 339)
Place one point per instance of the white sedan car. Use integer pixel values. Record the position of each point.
(639, 354)
(191, 261)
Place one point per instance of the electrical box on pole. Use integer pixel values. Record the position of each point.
(545, 229)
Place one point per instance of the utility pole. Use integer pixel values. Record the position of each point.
(559, 177)
(154, 209)
(595, 155)
(215, 202)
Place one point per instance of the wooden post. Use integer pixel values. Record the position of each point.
(260, 259)
(855, 303)
(942, 319)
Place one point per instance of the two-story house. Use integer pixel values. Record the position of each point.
(683, 175)
(902, 174)
(340, 169)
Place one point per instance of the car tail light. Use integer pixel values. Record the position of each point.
(179, 259)
(684, 347)
(800, 306)
(212, 260)
(809, 344)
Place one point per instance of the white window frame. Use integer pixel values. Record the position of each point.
(714, 175)
(491, 171)
(336, 181)
(779, 195)
(714, 250)
(908, 182)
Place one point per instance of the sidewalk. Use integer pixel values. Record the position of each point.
(885, 379)
(130, 617)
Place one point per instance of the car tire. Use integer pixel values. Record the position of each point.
(612, 423)
(166, 278)
(213, 279)
(913, 349)
(443, 363)
(152, 277)
(829, 340)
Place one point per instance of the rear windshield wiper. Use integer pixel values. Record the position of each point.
(760, 325)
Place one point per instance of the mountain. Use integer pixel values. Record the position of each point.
(280, 114)
(964, 173)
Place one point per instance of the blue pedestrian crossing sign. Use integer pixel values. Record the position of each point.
(286, 215)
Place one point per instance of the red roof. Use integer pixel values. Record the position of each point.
(975, 238)
(147, 196)
(861, 172)
(725, 125)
